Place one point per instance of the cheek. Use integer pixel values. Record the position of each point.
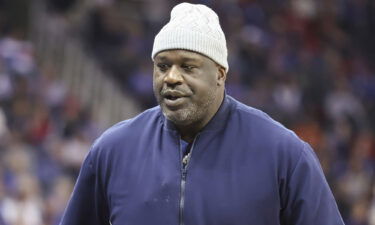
(206, 85)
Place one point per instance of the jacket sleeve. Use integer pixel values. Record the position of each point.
(309, 200)
(87, 205)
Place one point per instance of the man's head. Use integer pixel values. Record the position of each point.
(190, 65)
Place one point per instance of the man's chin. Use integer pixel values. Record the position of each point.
(179, 117)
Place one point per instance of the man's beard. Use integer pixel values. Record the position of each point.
(192, 112)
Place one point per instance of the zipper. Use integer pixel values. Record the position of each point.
(184, 166)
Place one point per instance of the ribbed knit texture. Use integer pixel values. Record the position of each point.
(196, 28)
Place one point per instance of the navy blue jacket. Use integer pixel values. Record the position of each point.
(245, 169)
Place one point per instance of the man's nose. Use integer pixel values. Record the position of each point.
(173, 77)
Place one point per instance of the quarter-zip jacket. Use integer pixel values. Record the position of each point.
(244, 169)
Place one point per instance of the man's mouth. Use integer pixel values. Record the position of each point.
(173, 98)
(172, 94)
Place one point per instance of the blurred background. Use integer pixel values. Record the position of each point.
(69, 69)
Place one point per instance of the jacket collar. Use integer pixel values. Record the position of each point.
(217, 122)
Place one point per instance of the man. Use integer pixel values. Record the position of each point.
(201, 157)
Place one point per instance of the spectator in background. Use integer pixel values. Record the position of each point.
(33, 115)
(24, 207)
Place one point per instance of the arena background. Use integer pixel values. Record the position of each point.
(70, 69)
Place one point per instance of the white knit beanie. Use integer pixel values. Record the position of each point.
(196, 28)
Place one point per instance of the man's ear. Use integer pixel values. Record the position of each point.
(221, 76)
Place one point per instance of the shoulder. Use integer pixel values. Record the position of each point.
(129, 129)
(272, 141)
(265, 132)
(255, 119)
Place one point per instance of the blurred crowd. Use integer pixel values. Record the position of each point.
(308, 63)
(45, 132)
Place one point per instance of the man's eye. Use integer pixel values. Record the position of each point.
(188, 68)
(162, 67)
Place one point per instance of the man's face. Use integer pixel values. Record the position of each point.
(188, 86)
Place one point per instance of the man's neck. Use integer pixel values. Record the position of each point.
(188, 134)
